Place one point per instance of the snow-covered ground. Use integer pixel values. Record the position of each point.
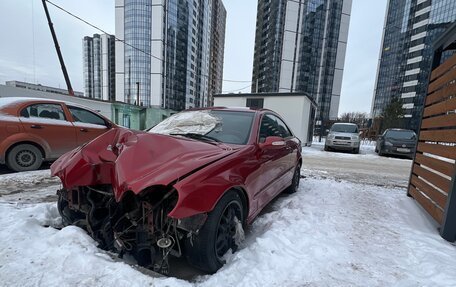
(332, 232)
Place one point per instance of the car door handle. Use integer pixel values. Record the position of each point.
(83, 130)
(36, 127)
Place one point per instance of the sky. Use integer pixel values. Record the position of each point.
(27, 52)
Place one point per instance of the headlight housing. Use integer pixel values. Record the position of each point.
(387, 143)
(330, 136)
(355, 138)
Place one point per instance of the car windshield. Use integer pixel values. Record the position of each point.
(218, 125)
(401, 135)
(341, 128)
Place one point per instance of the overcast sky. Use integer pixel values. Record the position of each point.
(27, 52)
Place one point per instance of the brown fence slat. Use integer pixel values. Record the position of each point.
(439, 165)
(430, 207)
(435, 179)
(440, 70)
(440, 108)
(442, 81)
(439, 135)
(441, 94)
(430, 191)
(438, 149)
(439, 122)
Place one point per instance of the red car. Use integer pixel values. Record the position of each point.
(186, 187)
(36, 130)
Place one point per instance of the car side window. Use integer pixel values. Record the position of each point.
(84, 116)
(283, 129)
(272, 126)
(46, 111)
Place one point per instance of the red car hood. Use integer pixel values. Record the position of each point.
(133, 161)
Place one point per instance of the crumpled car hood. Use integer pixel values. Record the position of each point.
(133, 161)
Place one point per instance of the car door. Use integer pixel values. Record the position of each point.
(274, 160)
(48, 122)
(88, 124)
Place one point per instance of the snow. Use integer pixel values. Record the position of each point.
(332, 232)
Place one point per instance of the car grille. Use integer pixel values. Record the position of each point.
(342, 138)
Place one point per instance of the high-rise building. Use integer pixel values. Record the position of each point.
(217, 49)
(99, 67)
(411, 27)
(163, 52)
(300, 47)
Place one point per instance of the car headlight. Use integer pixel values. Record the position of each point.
(330, 136)
(388, 143)
(355, 138)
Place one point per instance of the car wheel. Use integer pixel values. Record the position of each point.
(326, 148)
(24, 157)
(356, 150)
(221, 232)
(380, 152)
(376, 150)
(295, 181)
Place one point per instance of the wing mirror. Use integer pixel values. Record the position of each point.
(273, 142)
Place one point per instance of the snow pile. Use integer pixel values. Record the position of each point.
(330, 233)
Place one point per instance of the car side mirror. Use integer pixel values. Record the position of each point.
(380, 137)
(273, 142)
(108, 124)
(327, 131)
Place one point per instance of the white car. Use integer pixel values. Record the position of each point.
(343, 136)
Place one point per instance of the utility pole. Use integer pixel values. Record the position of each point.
(57, 48)
(137, 94)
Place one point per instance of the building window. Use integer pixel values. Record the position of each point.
(255, 103)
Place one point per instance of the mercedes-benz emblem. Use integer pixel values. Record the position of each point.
(403, 145)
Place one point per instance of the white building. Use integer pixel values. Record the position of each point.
(297, 109)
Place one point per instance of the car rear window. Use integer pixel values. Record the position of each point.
(402, 135)
(46, 111)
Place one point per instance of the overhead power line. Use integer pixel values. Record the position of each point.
(127, 44)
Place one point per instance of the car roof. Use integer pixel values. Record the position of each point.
(352, 124)
(11, 101)
(400, 130)
(232, 109)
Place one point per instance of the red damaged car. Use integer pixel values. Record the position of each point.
(187, 187)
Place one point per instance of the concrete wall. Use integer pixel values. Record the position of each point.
(295, 110)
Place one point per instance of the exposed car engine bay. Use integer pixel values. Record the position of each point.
(138, 225)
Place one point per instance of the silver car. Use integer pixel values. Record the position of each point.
(343, 136)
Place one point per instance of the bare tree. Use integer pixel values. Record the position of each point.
(358, 118)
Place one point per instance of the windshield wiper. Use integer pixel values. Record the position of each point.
(197, 136)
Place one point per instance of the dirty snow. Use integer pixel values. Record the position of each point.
(332, 232)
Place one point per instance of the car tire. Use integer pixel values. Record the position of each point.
(24, 157)
(205, 251)
(376, 150)
(326, 148)
(380, 152)
(356, 150)
(295, 181)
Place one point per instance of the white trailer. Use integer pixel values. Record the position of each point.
(297, 109)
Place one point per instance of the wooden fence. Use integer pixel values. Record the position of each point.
(432, 180)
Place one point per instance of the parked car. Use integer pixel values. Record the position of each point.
(185, 188)
(343, 136)
(396, 142)
(37, 130)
